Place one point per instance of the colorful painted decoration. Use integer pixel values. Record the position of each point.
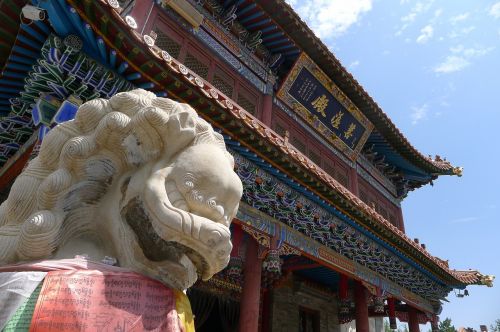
(328, 227)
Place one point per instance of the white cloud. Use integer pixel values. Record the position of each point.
(468, 30)
(464, 220)
(460, 58)
(461, 32)
(470, 52)
(331, 18)
(410, 17)
(418, 113)
(491, 206)
(353, 64)
(459, 18)
(457, 49)
(426, 33)
(495, 10)
(419, 8)
(451, 64)
(476, 52)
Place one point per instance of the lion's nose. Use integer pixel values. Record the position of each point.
(220, 210)
(217, 237)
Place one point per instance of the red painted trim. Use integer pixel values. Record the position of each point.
(401, 220)
(378, 198)
(140, 13)
(190, 44)
(353, 177)
(312, 144)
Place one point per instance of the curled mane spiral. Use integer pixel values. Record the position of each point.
(57, 194)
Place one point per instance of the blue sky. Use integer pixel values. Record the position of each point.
(434, 68)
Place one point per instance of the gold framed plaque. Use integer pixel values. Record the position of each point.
(310, 93)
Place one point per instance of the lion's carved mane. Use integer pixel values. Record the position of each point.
(148, 161)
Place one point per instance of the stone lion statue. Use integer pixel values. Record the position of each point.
(138, 178)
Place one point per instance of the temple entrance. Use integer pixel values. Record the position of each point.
(213, 312)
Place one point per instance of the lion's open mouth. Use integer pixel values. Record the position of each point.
(153, 246)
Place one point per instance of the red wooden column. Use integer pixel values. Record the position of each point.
(250, 297)
(434, 324)
(266, 294)
(413, 320)
(343, 287)
(236, 239)
(266, 308)
(267, 109)
(392, 313)
(361, 308)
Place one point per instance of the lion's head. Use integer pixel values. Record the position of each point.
(136, 177)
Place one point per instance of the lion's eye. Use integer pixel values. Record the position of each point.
(189, 180)
(212, 203)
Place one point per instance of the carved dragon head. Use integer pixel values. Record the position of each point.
(136, 177)
(487, 280)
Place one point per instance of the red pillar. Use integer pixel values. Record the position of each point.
(266, 294)
(343, 286)
(413, 320)
(361, 308)
(392, 313)
(250, 297)
(236, 239)
(266, 308)
(267, 110)
(434, 324)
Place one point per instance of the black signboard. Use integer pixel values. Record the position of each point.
(309, 92)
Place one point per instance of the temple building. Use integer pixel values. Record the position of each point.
(319, 239)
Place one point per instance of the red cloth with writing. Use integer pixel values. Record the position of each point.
(92, 300)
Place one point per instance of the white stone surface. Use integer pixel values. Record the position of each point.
(139, 178)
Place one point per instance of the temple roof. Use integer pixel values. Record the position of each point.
(233, 120)
(387, 139)
(473, 277)
(255, 135)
